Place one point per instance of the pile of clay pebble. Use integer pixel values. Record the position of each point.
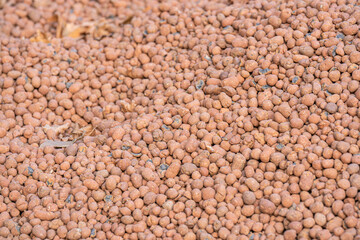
(180, 119)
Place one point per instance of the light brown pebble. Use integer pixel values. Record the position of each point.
(188, 168)
(306, 181)
(91, 184)
(231, 81)
(173, 170)
(331, 107)
(266, 206)
(249, 197)
(342, 146)
(225, 100)
(39, 231)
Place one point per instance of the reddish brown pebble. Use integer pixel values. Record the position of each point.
(173, 170)
(306, 181)
(266, 206)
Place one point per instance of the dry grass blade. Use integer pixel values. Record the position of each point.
(57, 128)
(209, 147)
(128, 20)
(127, 107)
(40, 37)
(100, 140)
(60, 26)
(96, 29)
(59, 144)
(74, 31)
(85, 131)
(102, 29)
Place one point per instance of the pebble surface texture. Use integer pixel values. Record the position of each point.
(179, 119)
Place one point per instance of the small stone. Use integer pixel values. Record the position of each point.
(225, 100)
(142, 123)
(342, 146)
(326, 65)
(74, 234)
(355, 181)
(355, 57)
(148, 174)
(275, 21)
(306, 50)
(149, 198)
(240, 42)
(335, 88)
(191, 145)
(251, 65)
(110, 183)
(252, 184)
(173, 170)
(266, 206)
(351, 29)
(39, 231)
(306, 181)
(188, 168)
(249, 198)
(231, 82)
(91, 184)
(331, 107)
(72, 150)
